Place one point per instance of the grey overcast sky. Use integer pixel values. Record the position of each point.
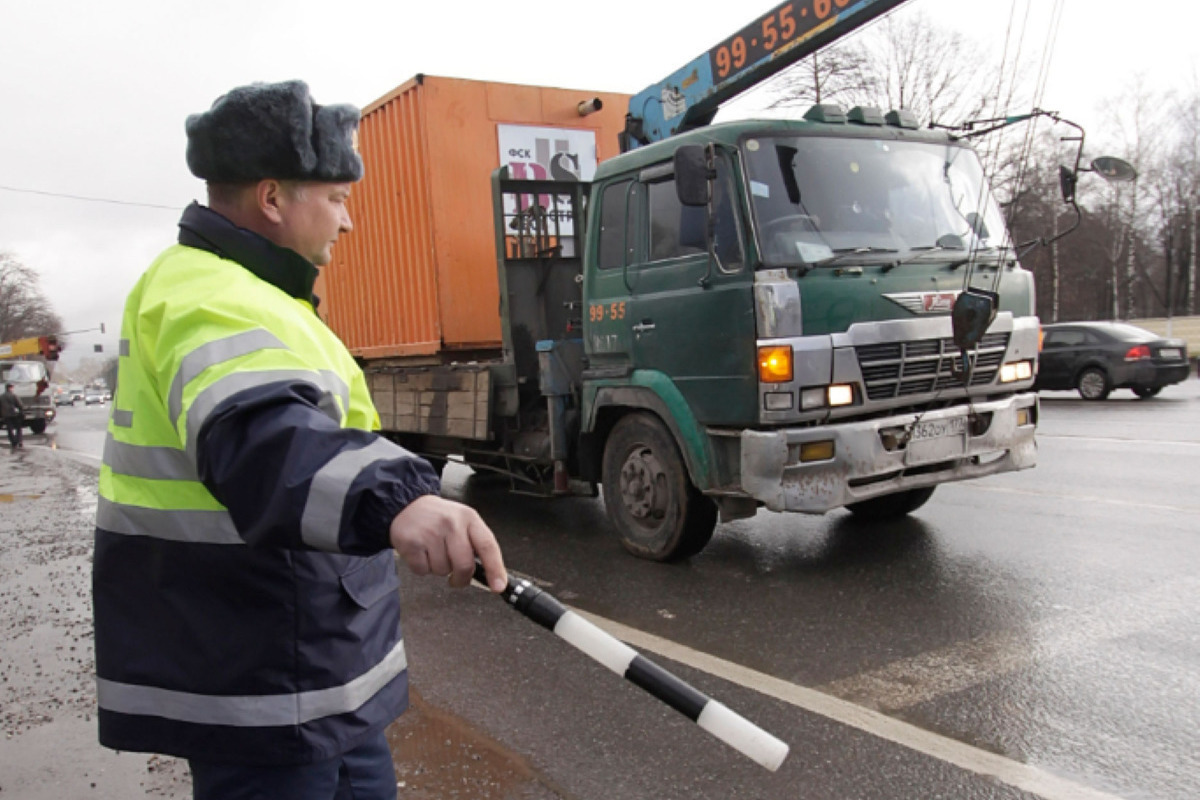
(93, 95)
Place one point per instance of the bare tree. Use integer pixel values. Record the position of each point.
(933, 71)
(1182, 209)
(837, 74)
(24, 309)
(1135, 119)
(908, 62)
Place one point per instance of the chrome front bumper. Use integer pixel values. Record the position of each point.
(871, 457)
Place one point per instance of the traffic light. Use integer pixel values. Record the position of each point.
(48, 345)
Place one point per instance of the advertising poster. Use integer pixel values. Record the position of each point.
(545, 154)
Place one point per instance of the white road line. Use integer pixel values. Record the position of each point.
(1082, 498)
(911, 681)
(1079, 437)
(1013, 773)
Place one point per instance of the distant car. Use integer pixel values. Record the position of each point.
(64, 398)
(1096, 357)
(93, 396)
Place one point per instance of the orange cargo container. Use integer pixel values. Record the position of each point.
(417, 275)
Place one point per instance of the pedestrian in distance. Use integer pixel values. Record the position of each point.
(245, 583)
(13, 414)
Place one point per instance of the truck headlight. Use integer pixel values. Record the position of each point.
(1016, 371)
(838, 394)
(841, 394)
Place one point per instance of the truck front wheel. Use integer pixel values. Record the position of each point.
(650, 499)
(37, 425)
(891, 506)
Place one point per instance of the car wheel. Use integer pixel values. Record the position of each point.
(1146, 392)
(37, 425)
(891, 506)
(1093, 384)
(648, 494)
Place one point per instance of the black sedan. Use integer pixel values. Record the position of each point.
(1097, 357)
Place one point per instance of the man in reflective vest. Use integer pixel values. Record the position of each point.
(245, 584)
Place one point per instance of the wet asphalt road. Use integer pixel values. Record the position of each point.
(1031, 634)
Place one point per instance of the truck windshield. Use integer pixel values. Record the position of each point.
(22, 372)
(837, 200)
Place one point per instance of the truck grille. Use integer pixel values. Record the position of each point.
(899, 369)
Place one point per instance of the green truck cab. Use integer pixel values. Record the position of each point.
(787, 344)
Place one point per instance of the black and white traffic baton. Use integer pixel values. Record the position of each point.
(728, 726)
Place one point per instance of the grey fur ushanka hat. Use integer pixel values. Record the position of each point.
(273, 130)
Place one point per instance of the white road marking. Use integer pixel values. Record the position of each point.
(1082, 498)
(1079, 437)
(911, 681)
(1012, 773)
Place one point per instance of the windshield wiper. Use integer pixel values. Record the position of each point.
(974, 256)
(852, 251)
(925, 250)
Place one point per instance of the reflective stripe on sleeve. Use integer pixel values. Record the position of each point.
(213, 353)
(339, 388)
(227, 387)
(322, 518)
(122, 418)
(251, 711)
(199, 526)
(144, 461)
(123, 347)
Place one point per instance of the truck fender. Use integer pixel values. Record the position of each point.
(653, 391)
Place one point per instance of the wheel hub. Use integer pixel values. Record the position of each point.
(1092, 384)
(643, 485)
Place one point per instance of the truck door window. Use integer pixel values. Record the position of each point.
(727, 235)
(677, 230)
(616, 236)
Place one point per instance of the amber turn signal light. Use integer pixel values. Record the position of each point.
(775, 363)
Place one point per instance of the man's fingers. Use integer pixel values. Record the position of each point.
(484, 543)
(439, 563)
(443, 537)
(462, 559)
(417, 560)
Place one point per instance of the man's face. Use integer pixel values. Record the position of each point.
(312, 217)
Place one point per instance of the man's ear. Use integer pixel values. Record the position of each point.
(269, 198)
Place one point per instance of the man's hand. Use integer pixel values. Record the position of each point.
(441, 537)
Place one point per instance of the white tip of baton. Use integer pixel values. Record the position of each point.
(743, 735)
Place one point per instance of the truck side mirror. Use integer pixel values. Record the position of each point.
(973, 311)
(978, 226)
(691, 175)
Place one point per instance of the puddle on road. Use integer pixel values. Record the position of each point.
(439, 755)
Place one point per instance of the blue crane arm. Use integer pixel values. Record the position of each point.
(690, 97)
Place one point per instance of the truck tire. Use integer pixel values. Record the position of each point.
(1093, 384)
(891, 506)
(650, 499)
(37, 425)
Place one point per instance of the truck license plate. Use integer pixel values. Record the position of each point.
(937, 428)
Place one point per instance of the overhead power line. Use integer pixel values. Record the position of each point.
(90, 199)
